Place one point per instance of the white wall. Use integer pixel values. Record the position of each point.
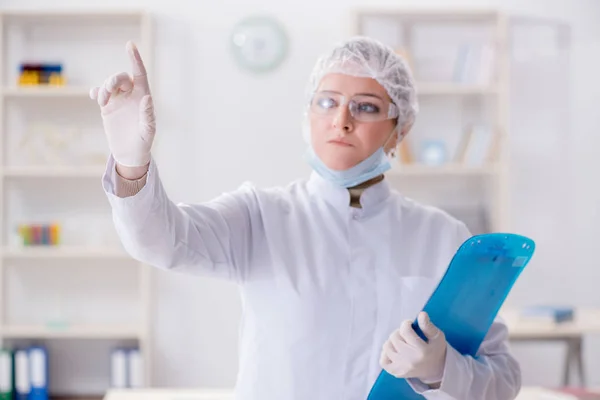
(224, 126)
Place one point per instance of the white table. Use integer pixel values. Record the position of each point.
(527, 393)
(169, 394)
(535, 393)
(586, 322)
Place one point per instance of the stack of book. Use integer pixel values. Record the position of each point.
(24, 374)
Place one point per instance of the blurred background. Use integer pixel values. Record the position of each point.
(506, 140)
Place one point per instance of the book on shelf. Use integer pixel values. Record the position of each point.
(467, 64)
(477, 146)
(474, 64)
(6, 375)
(126, 368)
(21, 368)
(24, 373)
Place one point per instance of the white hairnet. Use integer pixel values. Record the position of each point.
(365, 57)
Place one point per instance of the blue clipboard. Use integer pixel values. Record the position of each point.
(467, 299)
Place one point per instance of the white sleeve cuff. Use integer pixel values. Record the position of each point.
(451, 381)
(135, 208)
(128, 187)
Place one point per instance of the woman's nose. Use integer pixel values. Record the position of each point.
(343, 120)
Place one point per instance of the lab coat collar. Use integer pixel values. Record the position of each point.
(339, 197)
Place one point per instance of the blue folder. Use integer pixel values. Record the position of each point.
(21, 374)
(38, 373)
(467, 299)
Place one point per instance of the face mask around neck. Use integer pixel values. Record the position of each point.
(376, 164)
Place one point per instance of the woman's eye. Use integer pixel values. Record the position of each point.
(368, 108)
(326, 102)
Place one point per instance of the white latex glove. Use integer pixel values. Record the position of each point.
(128, 113)
(406, 355)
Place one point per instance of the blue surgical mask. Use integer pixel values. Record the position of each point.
(373, 166)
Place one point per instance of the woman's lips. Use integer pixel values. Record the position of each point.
(340, 143)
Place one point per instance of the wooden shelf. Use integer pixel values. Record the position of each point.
(169, 393)
(85, 17)
(47, 91)
(432, 88)
(75, 397)
(54, 172)
(70, 13)
(437, 15)
(444, 170)
(105, 331)
(64, 252)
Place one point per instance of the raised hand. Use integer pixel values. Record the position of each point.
(128, 113)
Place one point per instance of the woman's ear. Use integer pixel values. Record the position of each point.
(391, 143)
(405, 129)
(394, 140)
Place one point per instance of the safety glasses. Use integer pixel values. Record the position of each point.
(364, 108)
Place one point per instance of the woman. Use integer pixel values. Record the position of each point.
(331, 269)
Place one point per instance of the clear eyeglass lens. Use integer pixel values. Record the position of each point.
(362, 108)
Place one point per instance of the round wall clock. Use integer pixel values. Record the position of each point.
(259, 43)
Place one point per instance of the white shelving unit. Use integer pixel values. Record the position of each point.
(73, 332)
(62, 252)
(444, 170)
(410, 32)
(52, 172)
(56, 92)
(90, 45)
(441, 89)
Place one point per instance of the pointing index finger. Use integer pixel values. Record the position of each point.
(139, 70)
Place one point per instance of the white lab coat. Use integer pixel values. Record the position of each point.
(322, 284)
